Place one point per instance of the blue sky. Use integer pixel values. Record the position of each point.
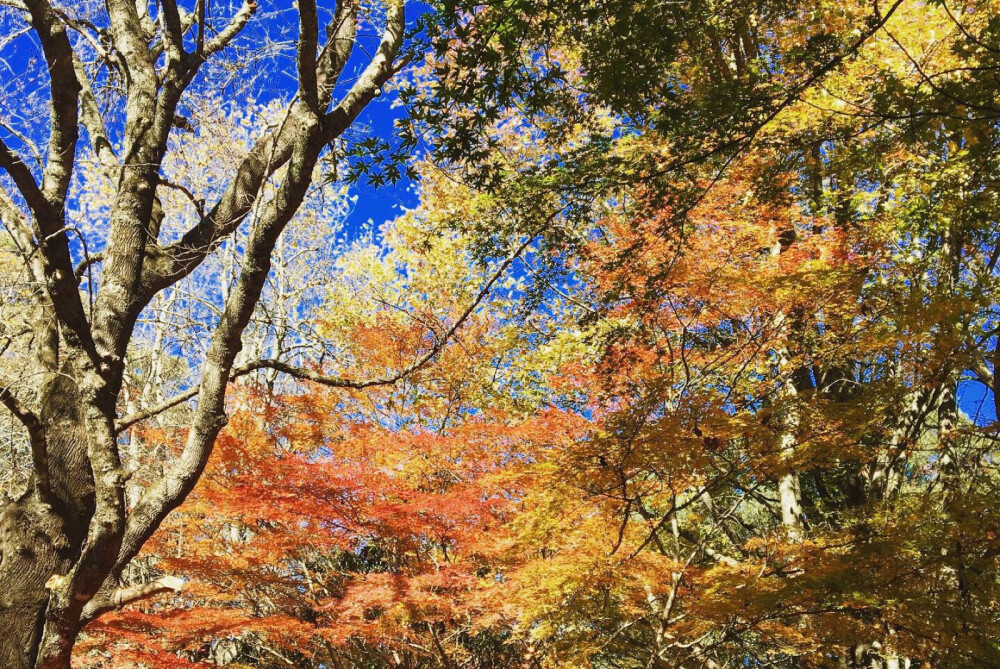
(383, 203)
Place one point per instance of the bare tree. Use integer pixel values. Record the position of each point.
(65, 542)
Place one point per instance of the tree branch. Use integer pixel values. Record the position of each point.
(378, 71)
(86, 264)
(90, 114)
(36, 437)
(439, 344)
(173, 32)
(19, 228)
(332, 381)
(48, 259)
(64, 91)
(306, 56)
(235, 26)
(114, 599)
(22, 177)
(181, 258)
(46, 331)
(337, 49)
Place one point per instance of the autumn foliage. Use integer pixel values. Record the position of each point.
(733, 429)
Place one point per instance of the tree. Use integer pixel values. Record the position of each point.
(779, 460)
(66, 541)
(779, 464)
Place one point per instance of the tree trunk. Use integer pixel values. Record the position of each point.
(33, 547)
(41, 534)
